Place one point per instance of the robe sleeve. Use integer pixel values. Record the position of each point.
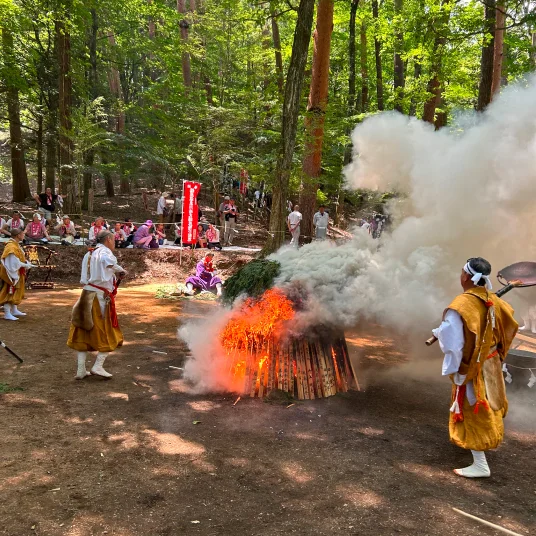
(451, 342)
(12, 266)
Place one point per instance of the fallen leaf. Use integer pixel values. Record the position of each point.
(195, 521)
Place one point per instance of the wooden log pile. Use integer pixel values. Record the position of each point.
(316, 367)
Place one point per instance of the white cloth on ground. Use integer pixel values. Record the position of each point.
(451, 342)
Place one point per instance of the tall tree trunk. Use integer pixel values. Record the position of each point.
(351, 58)
(486, 60)
(65, 101)
(51, 152)
(441, 115)
(21, 187)
(184, 27)
(417, 71)
(434, 84)
(108, 179)
(498, 52)
(378, 58)
(291, 110)
(364, 69)
(399, 80)
(40, 152)
(316, 114)
(277, 50)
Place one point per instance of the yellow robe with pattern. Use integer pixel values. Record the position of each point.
(482, 428)
(12, 247)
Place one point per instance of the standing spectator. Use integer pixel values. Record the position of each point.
(257, 198)
(321, 223)
(36, 230)
(46, 202)
(95, 229)
(289, 206)
(213, 238)
(160, 234)
(120, 236)
(231, 215)
(15, 222)
(144, 238)
(177, 233)
(293, 221)
(67, 231)
(161, 208)
(221, 215)
(177, 209)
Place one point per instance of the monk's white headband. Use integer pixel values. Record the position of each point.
(477, 276)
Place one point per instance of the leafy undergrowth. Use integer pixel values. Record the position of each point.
(5, 388)
(177, 292)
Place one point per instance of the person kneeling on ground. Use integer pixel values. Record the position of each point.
(144, 237)
(213, 238)
(13, 275)
(94, 324)
(204, 278)
(36, 230)
(67, 231)
(201, 238)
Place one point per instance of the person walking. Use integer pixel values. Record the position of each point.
(293, 222)
(321, 223)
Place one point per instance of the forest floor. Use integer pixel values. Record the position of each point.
(124, 457)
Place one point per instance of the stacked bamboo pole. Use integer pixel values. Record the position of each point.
(305, 368)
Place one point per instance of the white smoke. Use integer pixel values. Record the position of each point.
(467, 191)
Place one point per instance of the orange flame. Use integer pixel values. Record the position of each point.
(251, 330)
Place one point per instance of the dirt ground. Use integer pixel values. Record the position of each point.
(124, 457)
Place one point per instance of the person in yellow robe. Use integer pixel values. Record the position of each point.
(94, 324)
(13, 275)
(475, 336)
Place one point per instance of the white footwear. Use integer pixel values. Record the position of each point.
(82, 372)
(7, 312)
(97, 367)
(189, 289)
(15, 311)
(479, 469)
(218, 289)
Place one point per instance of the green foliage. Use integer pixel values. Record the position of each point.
(5, 388)
(253, 280)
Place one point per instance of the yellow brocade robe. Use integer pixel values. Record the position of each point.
(482, 427)
(8, 292)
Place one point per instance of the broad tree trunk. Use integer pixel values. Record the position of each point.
(434, 84)
(378, 58)
(40, 153)
(399, 80)
(486, 60)
(108, 179)
(291, 110)
(65, 102)
(184, 27)
(21, 187)
(498, 53)
(364, 69)
(316, 114)
(277, 50)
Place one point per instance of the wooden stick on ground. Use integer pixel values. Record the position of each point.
(484, 522)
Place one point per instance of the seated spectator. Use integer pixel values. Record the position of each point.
(201, 238)
(3, 223)
(120, 236)
(36, 230)
(15, 222)
(67, 231)
(160, 234)
(144, 237)
(95, 229)
(177, 233)
(129, 228)
(213, 238)
(203, 221)
(204, 279)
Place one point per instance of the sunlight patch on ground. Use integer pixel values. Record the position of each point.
(179, 386)
(237, 462)
(120, 396)
(172, 444)
(204, 405)
(370, 432)
(307, 436)
(125, 441)
(78, 420)
(358, 496)
(297, 472)
(118, 423)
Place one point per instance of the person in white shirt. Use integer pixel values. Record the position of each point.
(257, 198)
(321, 223)
(161, 207)
(94, 324)
(293, 222)
(66, 230)
(15, 222)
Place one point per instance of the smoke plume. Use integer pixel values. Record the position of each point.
(464, 192)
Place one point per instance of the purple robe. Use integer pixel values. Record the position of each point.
(203, 278)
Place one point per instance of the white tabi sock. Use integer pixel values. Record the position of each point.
(97, 367)
(479, 469)
(7, 312)
(81, 372)
(218, 289)
(189, 289)
(15, 311)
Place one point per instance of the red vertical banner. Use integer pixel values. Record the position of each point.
(244, 177)
(190, 212)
